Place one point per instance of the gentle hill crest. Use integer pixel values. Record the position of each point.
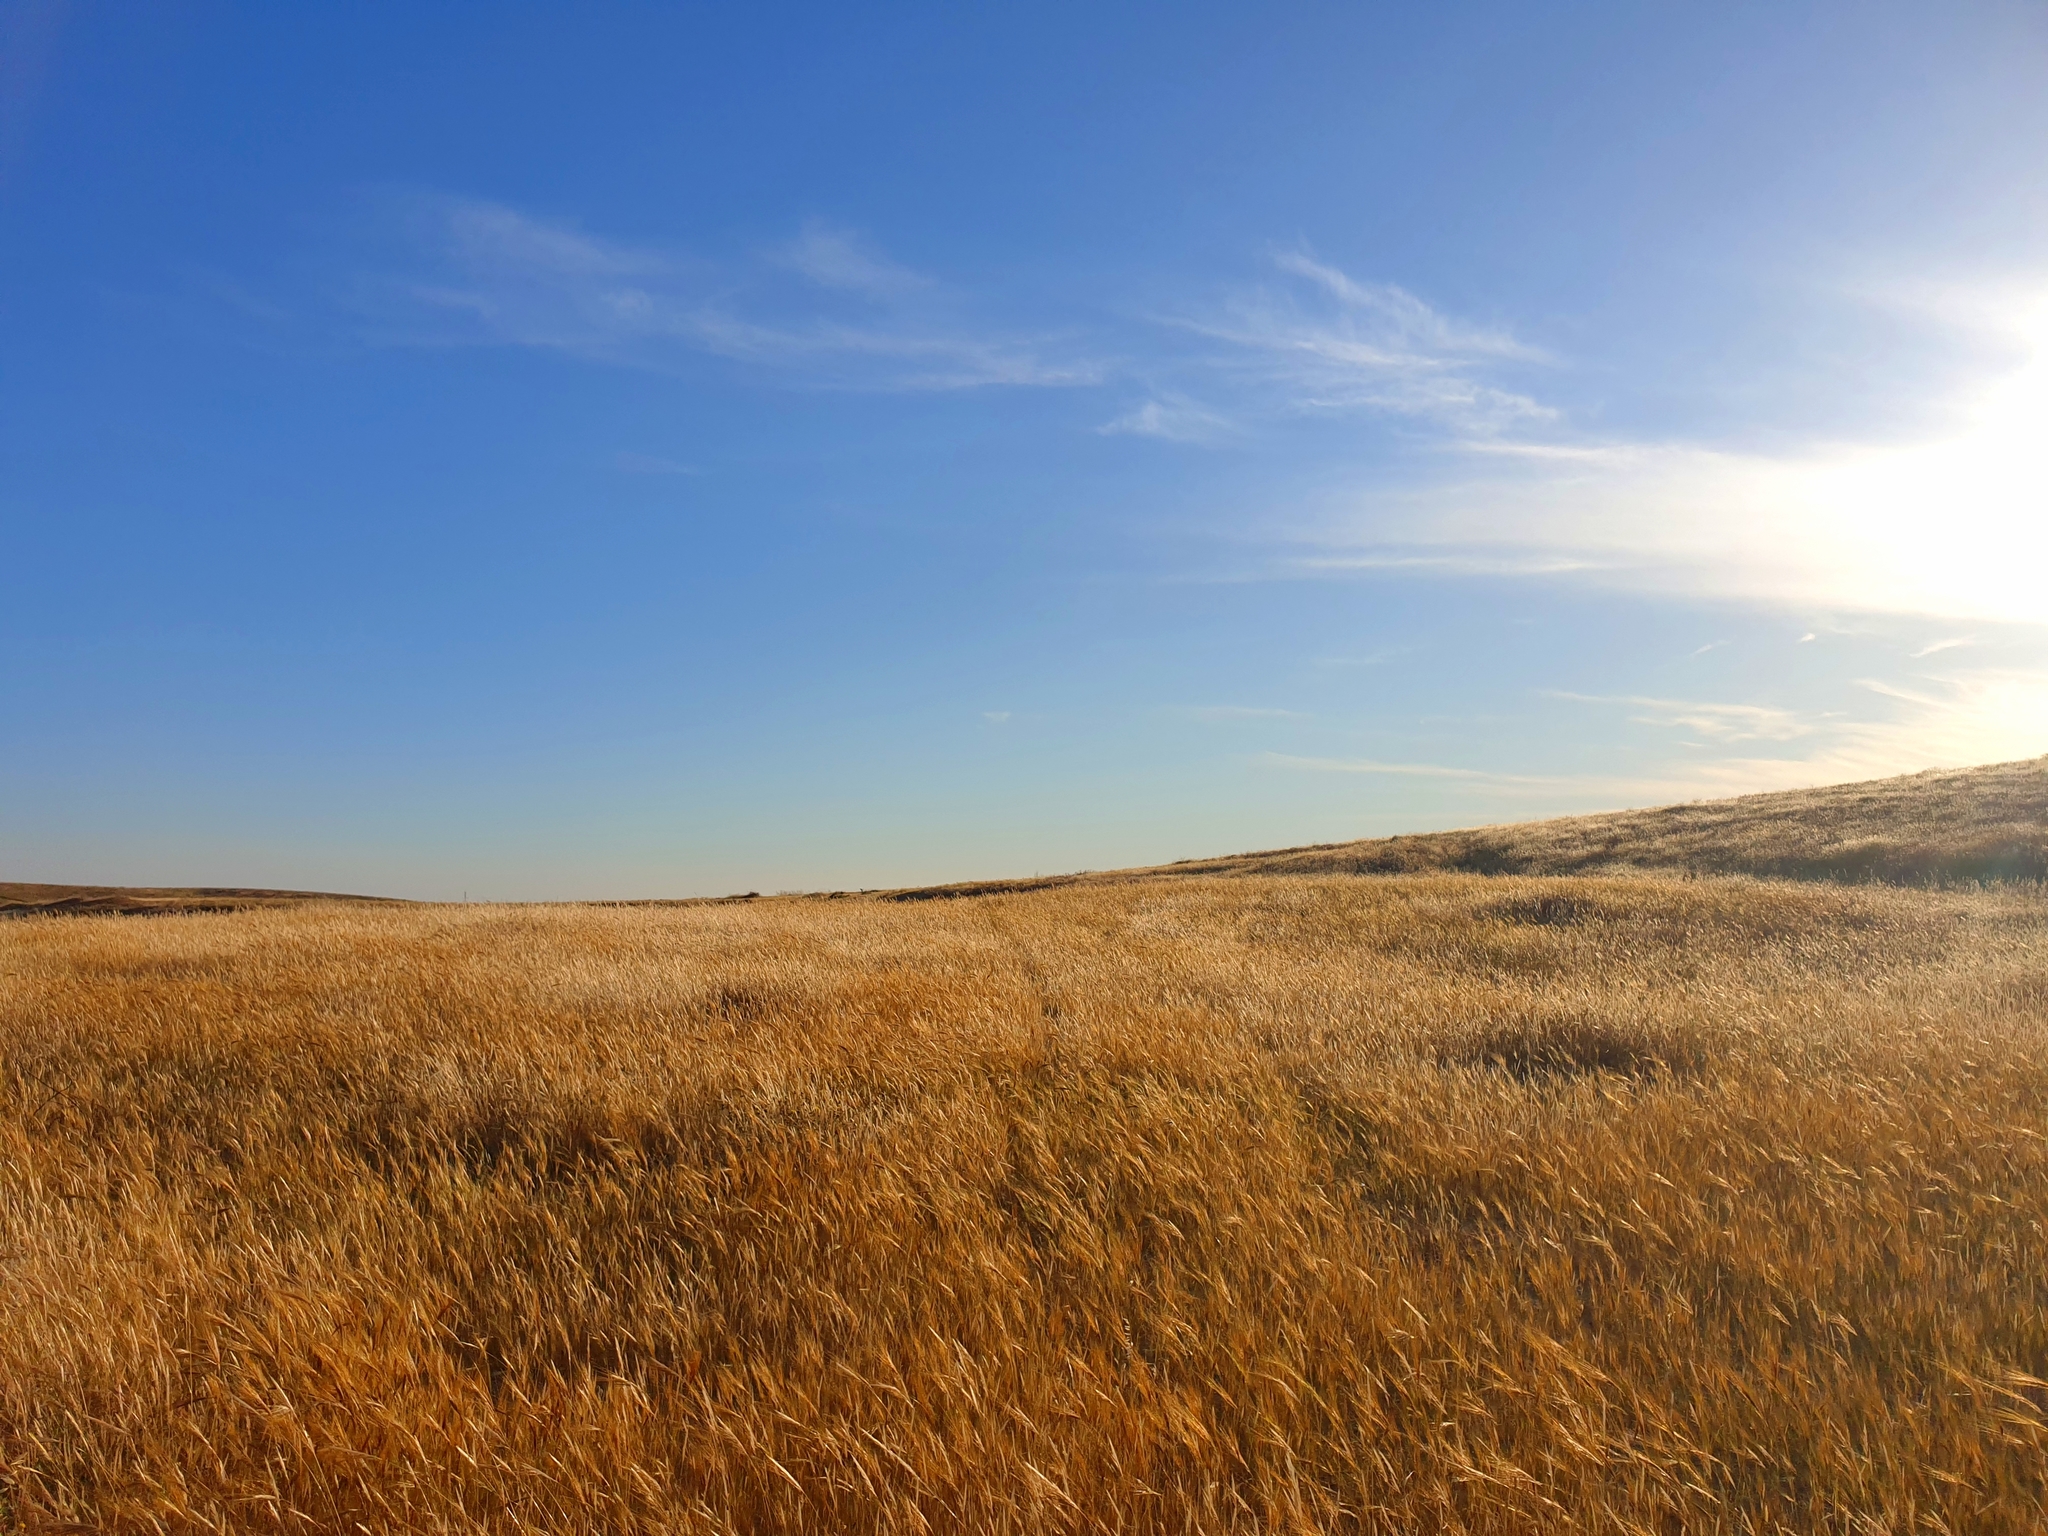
(27, 898)
(1966, 824)
(1945, 826)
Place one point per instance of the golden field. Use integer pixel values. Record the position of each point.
(1214, 1203)
(1967, 826)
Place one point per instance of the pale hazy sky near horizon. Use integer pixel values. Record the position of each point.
(549, 451)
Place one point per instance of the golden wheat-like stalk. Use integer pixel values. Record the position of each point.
(1274, 1204)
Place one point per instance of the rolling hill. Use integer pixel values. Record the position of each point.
(1967, 826)
(25, 898)
(1961, 826)
(1235, 1196)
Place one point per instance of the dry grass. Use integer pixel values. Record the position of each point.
(1276, 1204)
(31, 899)
(1968, 825)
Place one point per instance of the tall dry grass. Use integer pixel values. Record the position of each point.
(1434, 1204)
(1946, 827)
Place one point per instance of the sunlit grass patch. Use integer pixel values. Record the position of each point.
(1309, 1203)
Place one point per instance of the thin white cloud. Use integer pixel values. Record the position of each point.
(841, 259)
(1878, 685)
(1955, 525)
(490, 235)
(499, 276)
(1407, 770)
(884, 357)
(1329, 342)
(1454, 563)
(1401, 316)
(1715, 722)
(1174, 419)
(1937, 646)
(1950, 721)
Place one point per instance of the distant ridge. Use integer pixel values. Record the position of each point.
(1942, 827)
(19, 899)
(1966, 825)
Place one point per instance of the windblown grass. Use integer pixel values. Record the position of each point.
(1421, 1204)
(1959, 826)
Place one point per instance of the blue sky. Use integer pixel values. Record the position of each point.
(614, 450)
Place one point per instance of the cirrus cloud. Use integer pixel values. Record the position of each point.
(483, 273)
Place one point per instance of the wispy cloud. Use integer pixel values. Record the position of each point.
(1321, 340)
(491, 237)
(1954, 720)
(1936, 646)
(487, 273)
(1399, 318)
(1714, 722)
(1467, 562)
(1408, 770)
(1174, 419)
(1952, 525)
(1938, 721)
(890, 356)
(842, 259)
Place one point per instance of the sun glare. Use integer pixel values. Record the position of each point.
(1953, 525)
(1956, 525)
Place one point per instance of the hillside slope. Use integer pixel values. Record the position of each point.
(1970, 824)
(1964, 825)
(25, 898)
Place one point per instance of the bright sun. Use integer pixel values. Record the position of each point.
(1957, 525)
